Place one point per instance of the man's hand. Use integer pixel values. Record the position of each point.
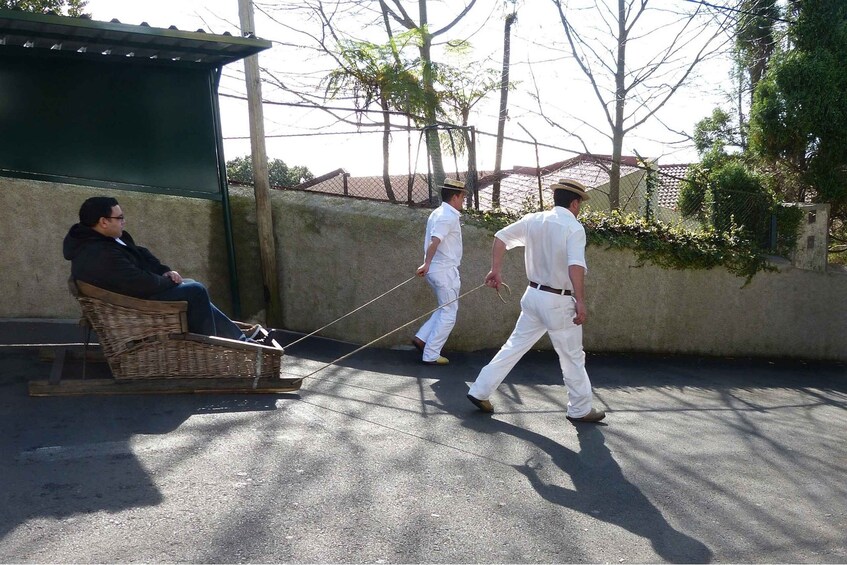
(581, 313)
(493, 280)
(422, 270)
(174, 276)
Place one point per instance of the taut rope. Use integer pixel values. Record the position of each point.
(413, 277)
(331, 363)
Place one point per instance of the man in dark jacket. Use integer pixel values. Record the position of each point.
(103, 254)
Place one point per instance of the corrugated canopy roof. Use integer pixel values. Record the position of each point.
(82, 35)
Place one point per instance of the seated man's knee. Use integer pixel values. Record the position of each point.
(194, 289)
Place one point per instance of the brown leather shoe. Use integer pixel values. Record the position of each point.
(419, 343)
(593, 416)
(483, 405)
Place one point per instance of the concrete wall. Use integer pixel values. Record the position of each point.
(335, 254)
(186, 234)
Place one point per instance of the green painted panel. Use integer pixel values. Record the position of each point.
(127, 124)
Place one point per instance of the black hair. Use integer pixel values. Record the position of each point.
(95, 208)
(448, 193)
(563, 198)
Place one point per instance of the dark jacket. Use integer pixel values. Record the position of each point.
(103, 262)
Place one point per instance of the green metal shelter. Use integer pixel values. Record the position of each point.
(107, 104)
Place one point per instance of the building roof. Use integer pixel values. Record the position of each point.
(115, 39)
(519, 186)
(670, 183)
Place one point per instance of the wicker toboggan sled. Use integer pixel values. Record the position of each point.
(149, 350)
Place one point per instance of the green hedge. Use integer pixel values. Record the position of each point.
(668, 246)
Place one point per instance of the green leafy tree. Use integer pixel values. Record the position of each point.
(240, 170)
(728, 195)
(376, 74)
(756, 38)
(463, 83)
(798, 125)
(394, 10)
(717, 132)
(73, 8)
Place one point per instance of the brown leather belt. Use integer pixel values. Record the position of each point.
(546, 288)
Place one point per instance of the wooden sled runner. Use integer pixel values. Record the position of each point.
(149, 350)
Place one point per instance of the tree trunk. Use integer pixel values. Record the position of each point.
(620, 101)
(504, 99)
(410, 180)
(433, 143)
(386, 138)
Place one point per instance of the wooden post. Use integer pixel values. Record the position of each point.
(261, 184)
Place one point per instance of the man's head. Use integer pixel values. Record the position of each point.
(569, 194)
(103, 215)
(453, 193)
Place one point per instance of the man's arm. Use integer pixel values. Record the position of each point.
(152, 262)
(430, 253)
(125, 277)
(577, 276)
(498, 250)
(154, 265)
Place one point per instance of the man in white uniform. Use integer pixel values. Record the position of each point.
(442, 257)
(554, 301)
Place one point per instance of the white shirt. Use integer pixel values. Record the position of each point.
(443, 223)
(553, 239)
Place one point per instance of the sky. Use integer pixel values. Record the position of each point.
(539, 65)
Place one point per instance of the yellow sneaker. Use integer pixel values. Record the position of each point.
(439, 361)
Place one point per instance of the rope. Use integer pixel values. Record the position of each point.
(413, 277)
(331, 363)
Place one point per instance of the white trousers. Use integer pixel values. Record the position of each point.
(541, 312)
(436, 330)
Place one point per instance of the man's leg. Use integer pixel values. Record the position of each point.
(567, 341)
(446, 285)
(203, 317)
(224, 327)
(426, 329)
(528, 330)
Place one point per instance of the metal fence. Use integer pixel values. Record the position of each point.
(406, 150)
(650, 191)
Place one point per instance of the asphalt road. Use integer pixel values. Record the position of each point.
(383, 460)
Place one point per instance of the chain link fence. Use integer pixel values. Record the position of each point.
(405, 148)
(649, 190)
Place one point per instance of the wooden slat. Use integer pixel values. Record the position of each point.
(58, 366)
(79, 387)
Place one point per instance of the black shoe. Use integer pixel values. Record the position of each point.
(483, 405)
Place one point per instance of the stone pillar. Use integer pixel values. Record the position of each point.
(812, 244)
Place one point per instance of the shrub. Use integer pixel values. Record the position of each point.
(664, 245)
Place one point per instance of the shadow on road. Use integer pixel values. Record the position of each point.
(600, 489)
(70, 456)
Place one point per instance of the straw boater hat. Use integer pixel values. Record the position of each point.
(572, 186)
(453, 184)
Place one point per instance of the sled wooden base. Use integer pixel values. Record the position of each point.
(81, 387)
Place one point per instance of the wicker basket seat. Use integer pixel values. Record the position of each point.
(149, 339)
